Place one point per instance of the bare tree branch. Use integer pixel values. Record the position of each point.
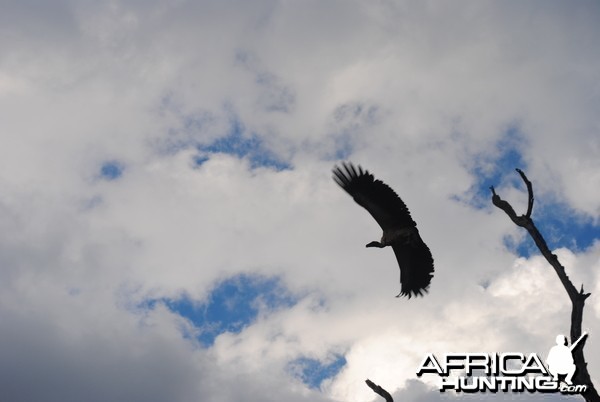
(379, 391)
(529, 191)
(577, 297)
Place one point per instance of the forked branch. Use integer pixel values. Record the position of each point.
(577, 297)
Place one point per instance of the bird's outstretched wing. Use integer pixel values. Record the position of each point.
(416, 265)
(374, 195)
(413, 255)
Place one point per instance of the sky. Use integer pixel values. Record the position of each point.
(169, 227)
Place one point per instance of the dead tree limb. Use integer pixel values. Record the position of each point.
(577, 297)
(379, 391)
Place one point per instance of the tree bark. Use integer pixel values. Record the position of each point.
(577, 297)
(379, 391)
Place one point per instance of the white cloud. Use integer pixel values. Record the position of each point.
(413, 90)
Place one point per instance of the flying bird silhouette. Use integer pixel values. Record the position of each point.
(399, 230)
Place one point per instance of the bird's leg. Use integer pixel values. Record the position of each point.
(375, 244)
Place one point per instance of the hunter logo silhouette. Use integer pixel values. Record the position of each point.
(560, 358)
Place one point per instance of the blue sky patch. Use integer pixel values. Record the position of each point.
(232, 305)
(560, 225)
(496, 168)
(200, 159)
(111, 170)
(313, 372)
(563, 227)
(242, 145)
(522, 246)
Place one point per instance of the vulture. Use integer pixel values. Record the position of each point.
(399, 230)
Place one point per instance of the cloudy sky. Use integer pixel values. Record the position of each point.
(169, 228)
